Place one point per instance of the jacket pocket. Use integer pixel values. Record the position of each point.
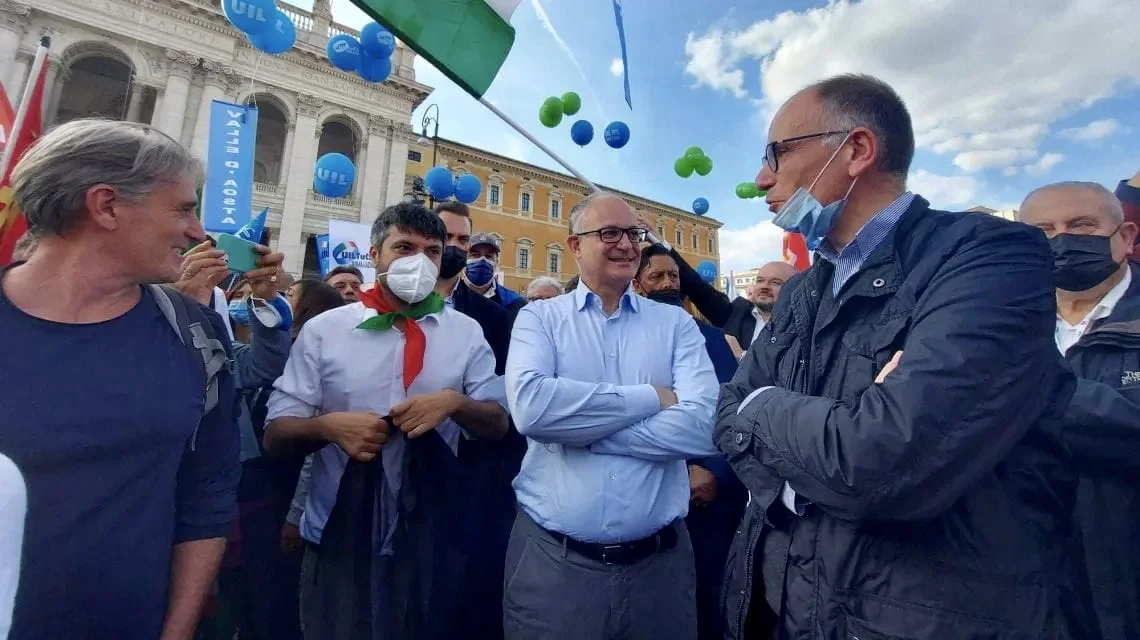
(867, 617)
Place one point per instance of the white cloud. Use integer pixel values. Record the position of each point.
(1094, 130)
(617, 68)
(744, 249)
(944, 191)
(1044, 164)
(1009, 171)
(969, 89)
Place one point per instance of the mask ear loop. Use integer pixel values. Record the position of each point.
(834, 154)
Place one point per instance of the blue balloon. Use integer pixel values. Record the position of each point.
(334, 175)
(377, 41)
(700, 206)
(375, 69)
(617, 134)
(707, 271)
(582, 133)
(439, 182)
(343, 52)
(253, 17)
(279, 38)
(467, 188)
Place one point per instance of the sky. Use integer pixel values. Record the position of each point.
(1005, 96)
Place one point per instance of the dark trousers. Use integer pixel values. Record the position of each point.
(262, 588)
(553, 593)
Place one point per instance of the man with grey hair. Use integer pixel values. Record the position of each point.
(898, 421)
(131, 489)
(1098, 309)
(543, 288)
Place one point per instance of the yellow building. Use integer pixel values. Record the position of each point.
(528, 209)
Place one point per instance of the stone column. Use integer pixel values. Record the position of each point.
(375, 149)
(287, 152)
(14, 20)
(402, 135)
(216, 82)
(53, 89)
(135, 102)
(299, 182)
(179, 67)
(18, 77)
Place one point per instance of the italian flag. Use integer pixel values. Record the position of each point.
(468, 40)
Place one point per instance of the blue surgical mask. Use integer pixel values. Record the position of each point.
(805, 215)
(239, 313)
(480, 271)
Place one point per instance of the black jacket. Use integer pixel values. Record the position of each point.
(495, 320)
(734, 317)
(939, 502)
(1108, 455)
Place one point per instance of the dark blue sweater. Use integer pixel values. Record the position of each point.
(98, 418)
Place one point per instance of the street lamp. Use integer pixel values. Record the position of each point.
(434, 123)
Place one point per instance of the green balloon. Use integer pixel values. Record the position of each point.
(694, 153)
(742, 190)
(703, 165)
(760, 193)
(571, 103)
(683, 166)
(550, 114)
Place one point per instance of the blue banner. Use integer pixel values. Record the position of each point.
(624, 57)
(323, 253)
(227, 198)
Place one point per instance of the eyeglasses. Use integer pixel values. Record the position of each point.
(613, 235)
(772, 151)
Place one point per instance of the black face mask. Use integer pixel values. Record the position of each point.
(452, 262)
(1081, 262)
(667, 296)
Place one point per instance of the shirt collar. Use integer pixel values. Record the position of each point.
(583, 295)
(1104, 308)
(872, 233)
(366, 313)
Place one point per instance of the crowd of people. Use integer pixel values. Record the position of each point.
(929, 433)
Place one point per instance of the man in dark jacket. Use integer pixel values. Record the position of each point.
(1128, 192)
(898, 422)
(1098, 331)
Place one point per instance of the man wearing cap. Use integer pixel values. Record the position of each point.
(479, 275)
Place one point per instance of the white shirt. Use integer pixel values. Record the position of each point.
(1067, 334)
(218, 300)
(336, 367)
(759, 326)
(13, 509)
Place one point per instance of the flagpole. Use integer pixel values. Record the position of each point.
(526, 134)
(25, 102)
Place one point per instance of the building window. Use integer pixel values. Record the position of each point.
(524, 258)
(555, 207)
(493, 195)
(415, 156)
(661, 229)
(712, 244)
(696, 239)
(524, 202)
(680, 239)
(555, 267)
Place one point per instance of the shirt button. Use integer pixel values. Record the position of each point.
(611, 354)
(613, 476)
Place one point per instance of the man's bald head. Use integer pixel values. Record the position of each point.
(769, 279)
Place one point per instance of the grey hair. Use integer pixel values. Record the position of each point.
(540, 282)
(1111, 204)
(855, 100)
(24, 247)
(51, 181)
(578, 211)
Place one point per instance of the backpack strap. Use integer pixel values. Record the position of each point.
(194, 330)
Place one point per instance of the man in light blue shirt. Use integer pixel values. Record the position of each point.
(613, 392)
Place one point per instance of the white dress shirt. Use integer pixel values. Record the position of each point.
(1067, 334)
(759, 326)
(218, 302)
(336, 367)
(13, 509)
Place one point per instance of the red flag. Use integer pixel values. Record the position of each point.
(796, 251)
(12, 222)
(7, 117)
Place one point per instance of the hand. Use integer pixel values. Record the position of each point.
(643, 223)
(263, 280)
(359, 434)
(203, 267)
(290, 538)
(735, 346)
(702, 486)
(889, 367)
(420, 414)
(666, 397)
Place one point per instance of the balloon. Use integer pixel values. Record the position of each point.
(253, 17)
(375, 69)
(550, 113)
(582, 133)
(439, 183)
(702, 165)
(571, 103)
(683, 167)
(617, 134)
(700, 206)
(467, 188)
(694, 153)
(333, 175)
(746, 190)
(279, 38)
(344, 52)
(707, 271)
(377, 41)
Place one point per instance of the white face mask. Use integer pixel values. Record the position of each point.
(411, 278)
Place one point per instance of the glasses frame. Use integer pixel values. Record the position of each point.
(772, 149)
(636, 235)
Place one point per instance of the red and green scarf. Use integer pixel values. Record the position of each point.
(386, 315)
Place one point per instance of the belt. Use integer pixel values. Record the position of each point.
(624, 553)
